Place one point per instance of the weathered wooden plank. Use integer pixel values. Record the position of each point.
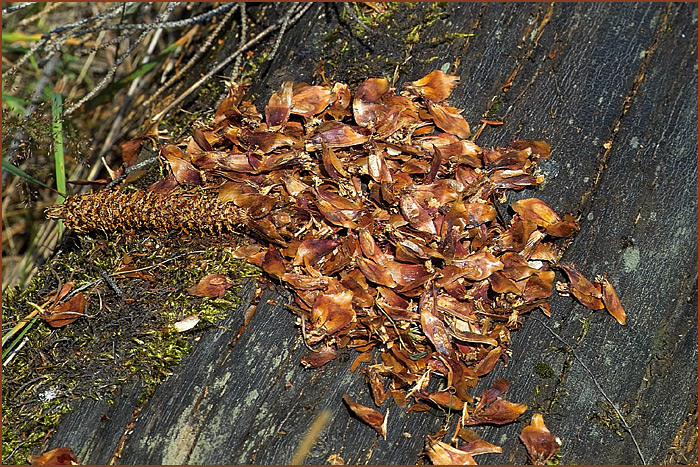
(638, 225)
(579, 76)
(97, 426)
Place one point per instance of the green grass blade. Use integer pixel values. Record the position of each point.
(18, 106)
(14, 170)
(18, 339)
(57, 132)
(21, 326)
(59, 159)
(20, 37)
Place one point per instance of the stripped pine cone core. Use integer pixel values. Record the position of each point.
(383, 219)
(147, 210)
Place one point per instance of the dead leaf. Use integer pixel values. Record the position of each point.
(535, 211)
(187, 323)
(183, 171)
(333, 312)
(376, 384)
(540, 443)
(338, 135)
(416, 215)
(211, 285)
(308, 101)
(436, 86)
(479, 446)
(370, 416)
(65, 313)
(320, 357)
(446, 400)
(612, 302)
(375, 273)
(449, 119)
(433, 327)
(131, 150)
(499, 412)
(58, 456)
(367, 108)
(443, 454)
(585, 292)
(279, 106)
(273, 264)
(492, 409)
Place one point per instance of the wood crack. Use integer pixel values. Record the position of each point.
(128, 429)
(539, 30)
(621, 418)
(472, 32)
(626, 104)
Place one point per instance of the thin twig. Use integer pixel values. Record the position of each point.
(226, 61)
(202, 50)
(167, 25)
(131, 169)
(103, 45)
(23, 59)
(117, 62)
(72, 28)
(213, 71)
(303, 10)
(115, 274)
(600, 389)
(40, 14)
(16, 7)
(116, 128)
(113, 285)
(244, 32)
(107, 14)
(348, 9)
(84, 70)
(283, 29)
(7, 459)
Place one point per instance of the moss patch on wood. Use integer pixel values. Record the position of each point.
(368, 43)
(126, 335)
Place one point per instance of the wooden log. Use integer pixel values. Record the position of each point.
(613, 89)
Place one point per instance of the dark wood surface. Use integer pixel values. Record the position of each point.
(613, 89)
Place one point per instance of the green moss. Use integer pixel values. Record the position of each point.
(414, 35)
(391, 40)
(544, 371)
(434, 12)
(493, 110)
(585, 326)
(452, 36)
(123, 339)
(607, 418)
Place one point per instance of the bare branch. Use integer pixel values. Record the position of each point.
(71, 28)
(244, 32)
(202, 50)
(16, 7)
(117, 62)
(168, 25)
(226, 61)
